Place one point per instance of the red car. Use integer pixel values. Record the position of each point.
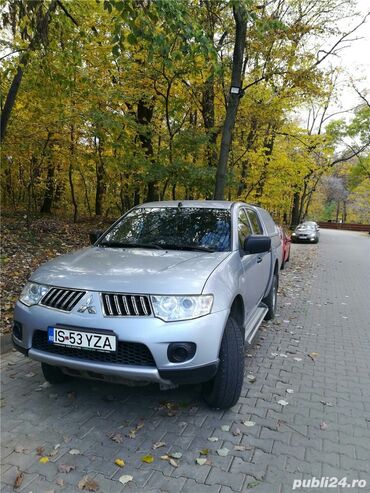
(285, 241)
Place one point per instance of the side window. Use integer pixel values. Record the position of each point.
(244, 228)
(255, 222)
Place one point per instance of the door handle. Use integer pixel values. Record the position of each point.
(259, 260)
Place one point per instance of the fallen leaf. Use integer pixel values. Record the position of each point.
(87, 484)
(39, 450)
(283, 355)
(175, 455)
(66, 468)
(313, 355)
(282, 402)
(329, 404)
(201, 462)
(173, 462)
(223, 452)
(297, 359)
(119, 462)
(18, 480)
(158, 445)
(117, 437)
(71, 395)
(253, 484)
(44, 460)
(249, 423)
(251, 378)
(242, 447)
(213, 439)
(323, 425)
(237, 432)
(74, 451)
(60, 482)
(204, 451)
(132, 433)
(225, 428)
(147, 458)
(125, 479)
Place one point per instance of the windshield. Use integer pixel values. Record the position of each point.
(305, 226)
(176, 228)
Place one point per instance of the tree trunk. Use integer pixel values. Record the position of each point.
(70, 175)
(16, 82)
(49, 191)
(144, 117)
(249, 143)
(100, 180)
(233, 99)
(295, 210)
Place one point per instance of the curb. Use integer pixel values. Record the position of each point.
(6, 343)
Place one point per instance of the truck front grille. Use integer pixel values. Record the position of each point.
(128, 353)
(62, 299)
(126, 305)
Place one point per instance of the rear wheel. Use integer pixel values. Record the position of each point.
(271, 299)
(53, 374)
(223, 391)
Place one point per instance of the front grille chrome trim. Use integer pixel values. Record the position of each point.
(125, 305)
(63, 299)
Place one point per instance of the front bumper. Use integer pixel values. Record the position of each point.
(206, 332)
(296, 239)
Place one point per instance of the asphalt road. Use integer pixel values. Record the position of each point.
(308, 409)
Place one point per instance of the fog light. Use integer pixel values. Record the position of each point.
(178, 352)
(17, 330)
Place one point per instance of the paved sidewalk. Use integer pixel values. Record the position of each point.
(323, 430)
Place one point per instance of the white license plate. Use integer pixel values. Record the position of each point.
(81, 339)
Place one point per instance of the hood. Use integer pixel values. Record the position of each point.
(131, 270)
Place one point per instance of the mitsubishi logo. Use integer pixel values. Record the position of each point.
(88, 306)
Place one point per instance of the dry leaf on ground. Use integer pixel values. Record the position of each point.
(87, 484)
(126, 478)
(66, 468)
(18, 480)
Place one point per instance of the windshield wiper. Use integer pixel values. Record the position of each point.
(197, 248)
(117, 244)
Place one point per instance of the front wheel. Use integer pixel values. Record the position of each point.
(271, 299)
(223, 391)
(53, 374)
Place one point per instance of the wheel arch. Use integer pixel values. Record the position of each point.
(237, 312)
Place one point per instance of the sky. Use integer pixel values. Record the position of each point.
(355, 61)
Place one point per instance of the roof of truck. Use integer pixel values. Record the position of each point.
(207, 204)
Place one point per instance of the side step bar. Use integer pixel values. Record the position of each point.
(255, 322)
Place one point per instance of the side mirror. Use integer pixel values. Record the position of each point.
(257, 244)
(94, 236)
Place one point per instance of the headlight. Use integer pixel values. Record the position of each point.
(32, 293)
(312, 235)
(294, 234)
(172, 308)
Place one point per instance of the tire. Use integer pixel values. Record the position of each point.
(271, 299)
(223, 391)
(53, 374)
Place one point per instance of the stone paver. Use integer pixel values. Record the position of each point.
(324, 430)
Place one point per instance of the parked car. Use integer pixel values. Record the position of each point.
(285, 242)
(308, 231)
(170, 293)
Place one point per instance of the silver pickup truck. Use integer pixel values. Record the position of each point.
(170, 293)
